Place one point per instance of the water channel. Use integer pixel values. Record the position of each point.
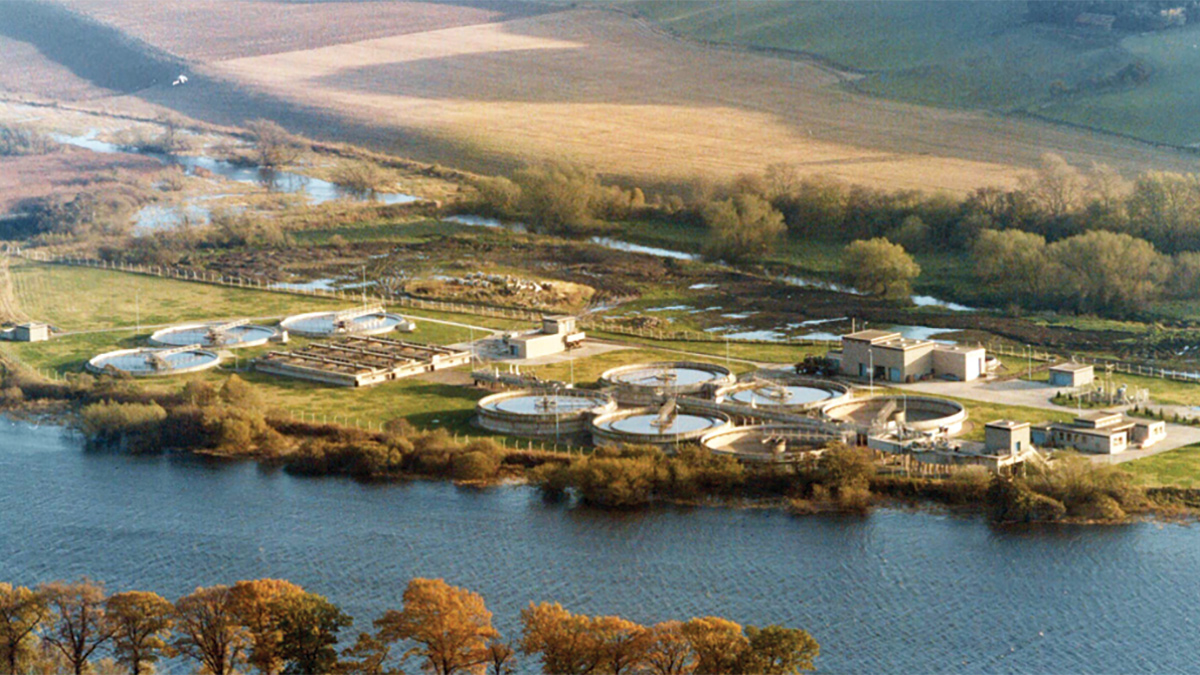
(893, 592)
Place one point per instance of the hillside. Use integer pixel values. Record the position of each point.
(972, 54)
(489, 86)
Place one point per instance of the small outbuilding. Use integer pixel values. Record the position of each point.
(31, 332)
(1006, 437)
(558, 334)
(1072, 375)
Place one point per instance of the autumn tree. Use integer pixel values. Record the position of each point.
(719, 644)
(622, 644)
(451, 626)
(369, 655)
(207, 629)
(254, 603)
(668, 651)
(308, 627)
(776, 650)
(273, 144)
(1055, 187)
(1103, 271)
(1013, 263)
(141, 623)
(740, 227)
(564, 640)
(879, 267)
(501, 658)
(78, 624)
(22, 612)
(1165, 208)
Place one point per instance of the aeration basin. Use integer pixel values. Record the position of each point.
(147, 362)
(646, 383)
(214, 335)
(370, 321)
(647, 426)
(542, 414)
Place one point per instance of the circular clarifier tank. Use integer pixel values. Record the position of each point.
(347, 322)
(772, 443)
(639, 383)
(648, 426)
(790, 394)
(148, 362)
(565, 412)
(919, 413)
(215, 335)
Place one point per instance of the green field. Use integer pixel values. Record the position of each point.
(1177, 468)
(972, 54)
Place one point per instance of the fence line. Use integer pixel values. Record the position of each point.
(592, 321)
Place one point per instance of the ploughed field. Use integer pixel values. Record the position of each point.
(483, 88)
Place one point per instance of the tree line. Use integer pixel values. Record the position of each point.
(232, 420)
(1103, 243)
(276, 627)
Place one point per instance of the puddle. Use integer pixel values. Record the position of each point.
(156, 217)
(701, 287)
(481, 221)
(671, 308)
(618, 245)
(930, 301)
(318, 191)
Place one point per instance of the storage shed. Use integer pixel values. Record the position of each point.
(1072, 375)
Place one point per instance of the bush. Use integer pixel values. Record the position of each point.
(475, 465)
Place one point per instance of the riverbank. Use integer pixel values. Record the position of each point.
(871, 590)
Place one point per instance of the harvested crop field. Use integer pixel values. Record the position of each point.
(590, 86)
(214, 30)
(602, 89)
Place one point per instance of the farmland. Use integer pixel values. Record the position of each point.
(487, 89)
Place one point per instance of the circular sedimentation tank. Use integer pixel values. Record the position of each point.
(214, 335)
(783, 394)
(541, 414)
(770, 443)
(645, 426)
(642, 383)
(149, 362)
(920, 413)
(348, 322)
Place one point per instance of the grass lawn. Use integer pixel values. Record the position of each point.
(1177, 468)
(782, 354)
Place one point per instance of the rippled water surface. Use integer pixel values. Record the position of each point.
(895, 592)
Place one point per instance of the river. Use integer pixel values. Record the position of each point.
(897, 591)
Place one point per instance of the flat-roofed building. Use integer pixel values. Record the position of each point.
(1098, 433)
(887, 356)
(959, 362)
(1006, 437)
(558, 334)
(31, 332)
(1072, 375)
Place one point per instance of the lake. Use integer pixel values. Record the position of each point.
(897, 591)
